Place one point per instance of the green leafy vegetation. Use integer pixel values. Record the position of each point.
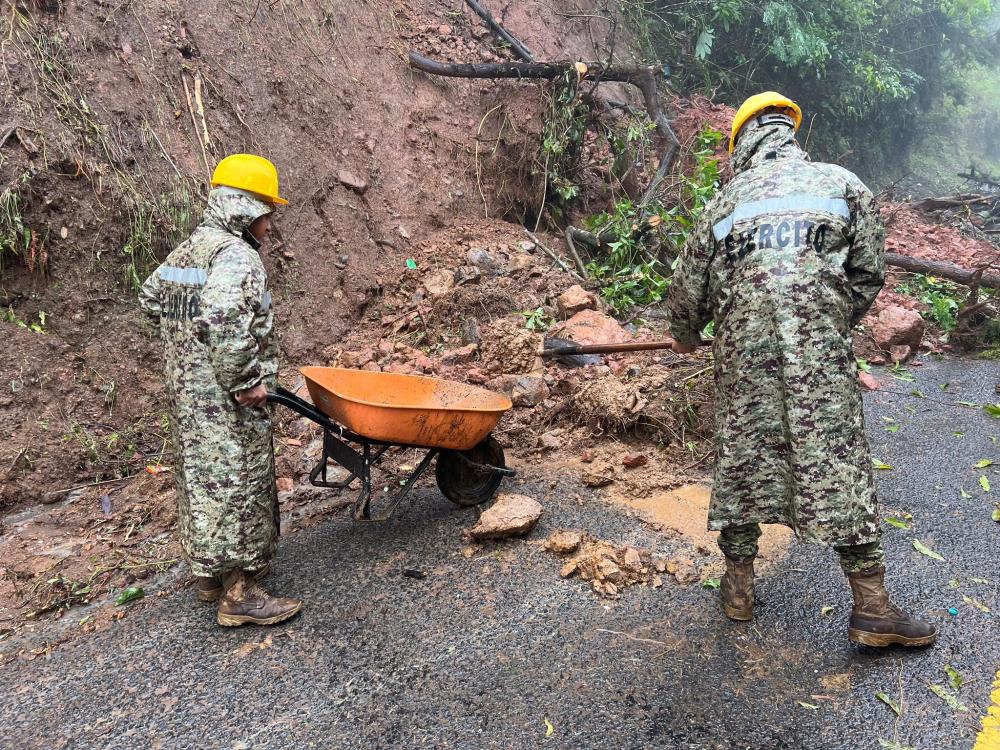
(867, 72)
(632, 273)
(943, 297)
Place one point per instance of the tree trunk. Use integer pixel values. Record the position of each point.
(944, 270)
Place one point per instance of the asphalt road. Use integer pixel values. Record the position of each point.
(482, 653)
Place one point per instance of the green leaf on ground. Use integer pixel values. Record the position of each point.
(826, 611)
(958, 434)
(923, 549)
(983, 463)
(975, 603)
(897, 522)
(965, 495)
(992, 409)
(946, 695)
(889, 702)
(711, 583)
(892, 428)
(810, 706)
(954, 583)
(917, 393)
(887, 745)
(888, 419)
(944, 386)
(996, 514)
(129, 595)
(549, 728)
(411, 264)
(984, 482)
(878, 463)
(954, 677)
(967, 403)
(979, 580)
(864, 366)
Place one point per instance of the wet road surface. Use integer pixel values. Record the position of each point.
(499, 652)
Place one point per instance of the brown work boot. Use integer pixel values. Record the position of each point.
(737, 589)
(245, 601)
(876, 621)
(210, 587)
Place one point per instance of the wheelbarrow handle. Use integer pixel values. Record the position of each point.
(286, 398)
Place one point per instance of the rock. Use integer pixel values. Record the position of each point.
(371, 367)
(341, 261)
(868, 381)
(568, 569)
(898, 326)
(510, 515)
(352, 181)
(460, 356)
(439, 283)
(476, 376)
(633, 560)
(564, 542)
(468, 275)
(483, 260)
(529, 390)
(634, 460)
(285, 484)
(357, 360)
(425, 364)
(526, 247)
(609, 570)
(598, 474)
(683, 570)
(587, 456)
(900, 353)
(550, 441)
(574, 300)
(592, 327)
(524, 262)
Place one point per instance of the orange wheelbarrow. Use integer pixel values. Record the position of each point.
(364, 414)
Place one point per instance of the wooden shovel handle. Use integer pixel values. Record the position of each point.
(632, 346)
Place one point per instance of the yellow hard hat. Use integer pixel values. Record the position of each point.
(255, 174)
(757, 104)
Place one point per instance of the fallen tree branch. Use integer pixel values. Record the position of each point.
(516, 44)
(551, 253)
(944, 270)
(644, 77)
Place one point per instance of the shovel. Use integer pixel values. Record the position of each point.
(580, 355)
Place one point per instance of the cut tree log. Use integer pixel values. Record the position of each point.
(944, 270)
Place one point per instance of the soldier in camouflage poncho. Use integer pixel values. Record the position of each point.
(210, 303)
(786, 260)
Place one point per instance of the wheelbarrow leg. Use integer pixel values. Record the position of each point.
(362, 509)
(392, 504)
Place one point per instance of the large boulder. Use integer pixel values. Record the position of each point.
(898, 326)
(592, 327)
(510, 515)
(574, 300)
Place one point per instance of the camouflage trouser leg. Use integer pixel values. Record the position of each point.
(859, 557)
(740, 542)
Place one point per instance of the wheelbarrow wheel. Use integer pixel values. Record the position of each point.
(464, 484)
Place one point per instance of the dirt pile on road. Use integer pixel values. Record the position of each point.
(611, 568)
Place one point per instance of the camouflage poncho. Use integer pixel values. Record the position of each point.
(210, 303)
(786, 259)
